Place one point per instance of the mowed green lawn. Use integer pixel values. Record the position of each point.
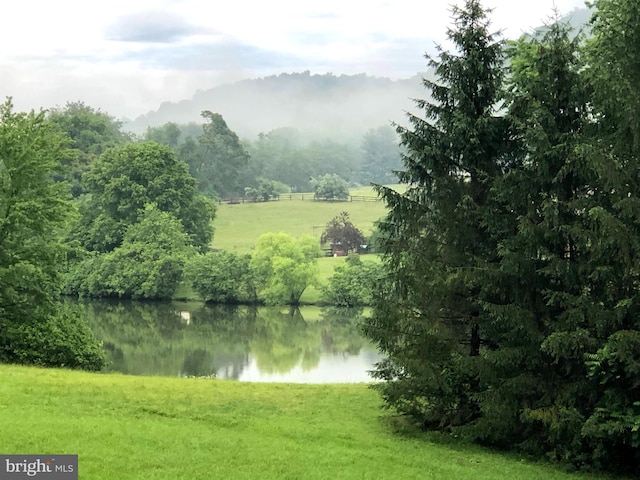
(143, 428)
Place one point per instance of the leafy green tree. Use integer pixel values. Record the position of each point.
(283, 267)
(353, 283)
(342, 234)
(327, 156)
(219, 159)
(265, 190)
(278, 155)
(288, 156)
(149, 264)
(167, 134)
(127, 178)
(430, 323)
(92, 132)
(222, 277)
(35, 327)
(330, 187)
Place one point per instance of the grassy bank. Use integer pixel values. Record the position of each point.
(158, 428)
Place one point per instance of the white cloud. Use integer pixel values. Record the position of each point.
(62, 50)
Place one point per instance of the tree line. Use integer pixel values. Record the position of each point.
(282, 160)
(510, 314)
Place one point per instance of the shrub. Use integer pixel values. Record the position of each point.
(61, 339)
(221, 277)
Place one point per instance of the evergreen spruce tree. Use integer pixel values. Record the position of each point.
(511, 312)
(535, 295)
(431, 326)
(612, 427)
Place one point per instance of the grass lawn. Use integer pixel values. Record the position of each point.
(169, 428)
(236, 227)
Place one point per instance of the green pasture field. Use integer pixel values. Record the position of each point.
(143, 428)
(237, 226)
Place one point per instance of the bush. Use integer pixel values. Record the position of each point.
(221, 277)
(61, 339)
(148, 264)
(353, 283)
(330, 187)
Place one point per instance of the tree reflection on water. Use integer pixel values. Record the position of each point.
(231, 342)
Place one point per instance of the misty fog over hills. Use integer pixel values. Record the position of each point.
(339, 106)
(344, 106)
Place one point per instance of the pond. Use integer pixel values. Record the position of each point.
(264, 344)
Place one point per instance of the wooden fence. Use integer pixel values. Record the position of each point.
(300, 197)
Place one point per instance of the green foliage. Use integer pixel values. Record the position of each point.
(330, 187)
(265, 190)
(124, 180)
(149, 263)
(34, 209)
(288, 156)
(381, 155)
(221, 277)
(428, 324)
(343, 235)
(354, 283)
(613, 69)
(283, 267)
(279, 155)
(217, 160)
(91, 132)
(512, 320)
(167, 134)
(60, 339)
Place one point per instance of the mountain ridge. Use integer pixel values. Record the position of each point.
(341, 106)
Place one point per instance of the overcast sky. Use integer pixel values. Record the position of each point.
(127, 56)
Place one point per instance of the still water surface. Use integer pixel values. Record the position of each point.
(265, 344)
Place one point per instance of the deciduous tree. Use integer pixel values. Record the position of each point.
(330, 187)
(127, 178)
(149, 264)
(35, 327)
(342, 234)
(219, 160)
(222, 277)
(283, 266)
(91, 132)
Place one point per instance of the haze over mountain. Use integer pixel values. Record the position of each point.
(343, 106)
